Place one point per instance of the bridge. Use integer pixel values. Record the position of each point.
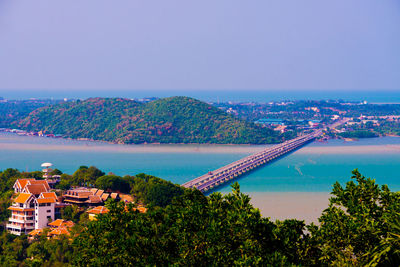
(244, 165)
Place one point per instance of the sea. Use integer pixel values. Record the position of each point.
(299, 171)
(245, 95)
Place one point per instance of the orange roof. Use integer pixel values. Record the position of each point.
(98, 210)
(94, 199)
(35, 232)
(24, 182)
(46, 200)
(42, 182)
(22, 197)
(19, 209)
(62, 223)
(59, 231)
(49, 194)
(35, 189)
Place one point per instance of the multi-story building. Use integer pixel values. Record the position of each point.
(33, 208)
(22, 219)
(44, 209)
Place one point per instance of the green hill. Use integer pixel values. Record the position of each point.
(168, 120)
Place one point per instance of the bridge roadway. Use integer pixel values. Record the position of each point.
(237, 168)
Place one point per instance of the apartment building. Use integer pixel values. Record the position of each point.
(33, 208)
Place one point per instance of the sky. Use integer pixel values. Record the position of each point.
(129, 45)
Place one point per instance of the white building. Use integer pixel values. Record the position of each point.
(22, 219)
(44, 211)
(33, 208)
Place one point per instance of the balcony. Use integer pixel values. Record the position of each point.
(22, 220)
(19, 226)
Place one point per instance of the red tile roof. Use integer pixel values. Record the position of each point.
(49, 195)
(35, 232)
(23, 182)
(42, 182)
(98, 210)
(62, 223)
(59, 231)
(35, 189)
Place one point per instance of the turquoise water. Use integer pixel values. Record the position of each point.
(296, 172)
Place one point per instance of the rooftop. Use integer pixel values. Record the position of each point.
(98, 210)
(22, 198)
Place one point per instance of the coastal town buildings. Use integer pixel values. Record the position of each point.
(36, 207)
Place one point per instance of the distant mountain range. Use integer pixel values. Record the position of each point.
(167, 120)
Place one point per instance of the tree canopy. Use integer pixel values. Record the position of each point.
(167, 120)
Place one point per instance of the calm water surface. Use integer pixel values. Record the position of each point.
(297, 172)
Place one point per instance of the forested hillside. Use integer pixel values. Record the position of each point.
(168, 120)
(15, 110)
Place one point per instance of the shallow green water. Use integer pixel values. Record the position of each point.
(300, 172)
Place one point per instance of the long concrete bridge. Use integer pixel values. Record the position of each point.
(244, 165)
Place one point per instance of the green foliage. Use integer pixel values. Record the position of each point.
(13, 111)
(49, 252)
(56, 172)
(71, 213)
(85, 176)
(153, 190)
(361, 227)
(168, 120)
(355, 221)
(387, 253)
(113, 183)
(12, 249)
(359, 134)
(193, 230)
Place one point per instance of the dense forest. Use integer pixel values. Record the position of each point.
(360, 227)
(13, 111)
(168, 120)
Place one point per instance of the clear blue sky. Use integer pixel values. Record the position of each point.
(193, 45)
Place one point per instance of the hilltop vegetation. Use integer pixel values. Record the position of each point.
(168, 120)
(13, 111)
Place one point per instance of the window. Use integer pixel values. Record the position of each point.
(48, 217)
(48, 210)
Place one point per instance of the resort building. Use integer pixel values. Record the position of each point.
(22, 220)
(33, 208)
(88, 197)
(82, 197)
